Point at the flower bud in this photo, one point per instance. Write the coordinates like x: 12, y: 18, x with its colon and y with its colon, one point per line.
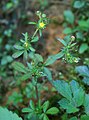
x: 72, y: 38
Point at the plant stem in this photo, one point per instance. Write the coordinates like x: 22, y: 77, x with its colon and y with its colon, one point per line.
x: 35, y: 33
x: 37, y: 94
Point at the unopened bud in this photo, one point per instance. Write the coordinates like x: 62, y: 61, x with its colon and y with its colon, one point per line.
x: 72, y: 38
x: 38, y: 13
x: 43, y: 15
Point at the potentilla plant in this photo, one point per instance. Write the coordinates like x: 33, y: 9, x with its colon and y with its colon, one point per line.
x: 34, y: 69
x: 37, y: 67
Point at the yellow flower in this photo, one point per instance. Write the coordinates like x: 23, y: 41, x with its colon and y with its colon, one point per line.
x: 26, y: 44
x: 41, y: 25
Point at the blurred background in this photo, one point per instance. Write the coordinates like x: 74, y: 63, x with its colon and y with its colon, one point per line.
x: 68, y: 17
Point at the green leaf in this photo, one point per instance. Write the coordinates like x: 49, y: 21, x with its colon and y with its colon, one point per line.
x: 73, y: 118
x: 33, y: 23
x: 25, y: 36
x: 40, y: 32
x: 73, y: 93
x: 25, y: 77
x: 32, y: 116
x: 83, y: 25
x: 69, y: 16
x: 52, y: 111
x: 83, y: 70
x: 29, y: 65
x: 86, y: 80
x: 45, y: 117
x: 65, y: 104
x: 83, y: 48
x: 27, y: 110
x: 60, y: 85
x: 45, y: 106
x: 5, y: 114
x: 67, y: 30
x: 17, y: 54
x: 84, y: 117
x: 25, y: 55
x: 62, y: 41
x: 35, y: 39
x: 20, y: 67
x: 79, y: 4
x: 38, y: 58
x: 48, y: 74
x: 78, y: 93
x: 6, y: 59
x: 32, y: 105
x: 51, y: 59
x: 32, y: 49
x: 86, y: 104
x: 79, y: 35
x: 15, y: 98
x: 18, y: 47
x: 9, y: 5
x: 65, y: 116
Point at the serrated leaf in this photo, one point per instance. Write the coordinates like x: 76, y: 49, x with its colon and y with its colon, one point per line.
x: 5, y: 114
x: 73, y: 93
x: 52, y: 111
x: 60, y: 85
x: 17, y: 54
x: 65, y: 104
x: 71, y: 109
x: 83, y: 70
x: 78, y: 93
